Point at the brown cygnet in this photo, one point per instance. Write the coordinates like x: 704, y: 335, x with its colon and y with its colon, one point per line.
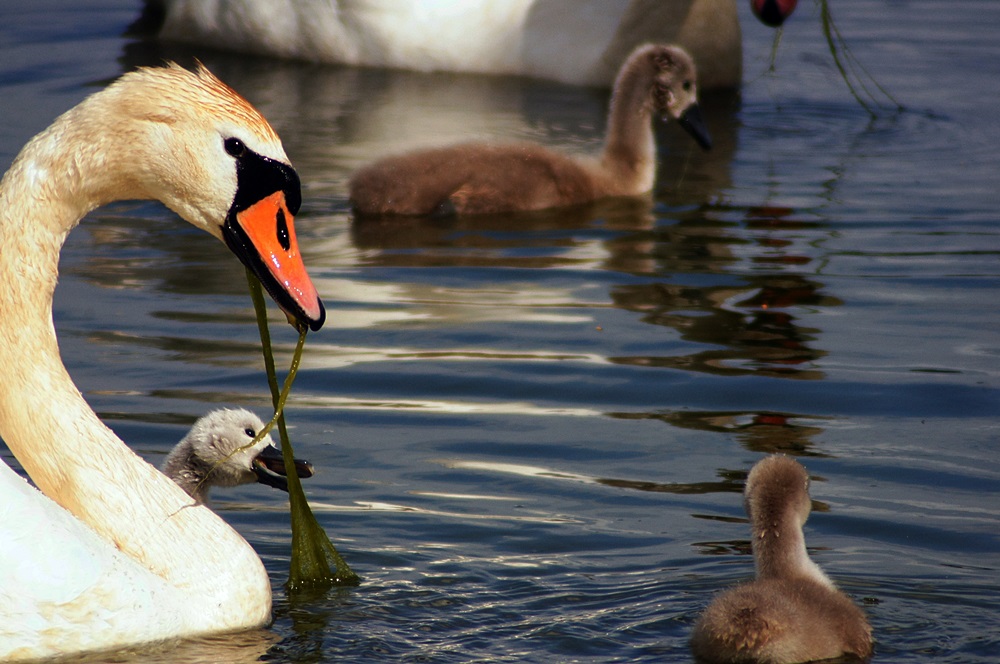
x: 480, y: 178
x: 792, y: 612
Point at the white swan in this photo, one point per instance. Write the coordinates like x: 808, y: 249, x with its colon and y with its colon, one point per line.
x: 581, y: 42
x: 792, y: 612
x: 115, y: 553
x: 217, y: 451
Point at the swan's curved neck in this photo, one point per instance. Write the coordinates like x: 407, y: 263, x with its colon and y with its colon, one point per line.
x: 630, y: 145
x: 55, y: 435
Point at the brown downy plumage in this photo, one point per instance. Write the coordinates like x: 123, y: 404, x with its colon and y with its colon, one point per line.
x: 792, y: 612
x: 479, y: 178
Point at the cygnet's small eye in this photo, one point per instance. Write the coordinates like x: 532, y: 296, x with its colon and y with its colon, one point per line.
x: 235, y: 147
x: 250, y: 432
x: 687, y: 86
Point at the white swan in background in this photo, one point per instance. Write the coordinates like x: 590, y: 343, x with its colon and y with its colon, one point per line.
x: 217, y: 451
x: 583, y: 42
x: 114, y: 553
x: 792, y: 612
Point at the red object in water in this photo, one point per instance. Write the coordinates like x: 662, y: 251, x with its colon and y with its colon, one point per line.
x: 773, y: 12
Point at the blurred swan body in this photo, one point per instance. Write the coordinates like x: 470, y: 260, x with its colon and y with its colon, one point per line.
x: 581, y: 42
x: 481, y: 178
x: 107, y: 551
x: 792, y: 612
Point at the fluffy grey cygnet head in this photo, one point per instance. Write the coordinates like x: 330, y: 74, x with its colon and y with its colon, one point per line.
x: 217, y: 452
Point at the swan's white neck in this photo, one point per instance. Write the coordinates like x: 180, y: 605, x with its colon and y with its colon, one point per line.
x: 58, y: 439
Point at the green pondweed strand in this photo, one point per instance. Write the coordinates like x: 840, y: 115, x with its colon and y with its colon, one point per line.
x: 850, y: 67
x: 859, y: 81
x: 316, y: 565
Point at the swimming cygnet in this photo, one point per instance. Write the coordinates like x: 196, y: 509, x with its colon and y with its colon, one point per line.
x: 207, y: 456
x: 476, y: 178
x: 792, y: 612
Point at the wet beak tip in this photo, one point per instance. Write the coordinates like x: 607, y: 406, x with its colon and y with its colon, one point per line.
x: 317, y: 317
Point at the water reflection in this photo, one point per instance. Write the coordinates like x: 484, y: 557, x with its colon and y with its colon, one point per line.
x: 238, y: 648
x: 749, y: 324
x: 131, y: 251
x: 732, y: 481
x: 310, y: 614
x: 765, y: 432
x: 756, y: 338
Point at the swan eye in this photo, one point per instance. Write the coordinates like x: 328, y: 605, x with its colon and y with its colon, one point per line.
x: 687, y: 86
x: 235, y: 147
x: 250, y: 432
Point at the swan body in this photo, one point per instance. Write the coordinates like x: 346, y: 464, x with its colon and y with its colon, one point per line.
x: 219, y: 451
x: 792, y: 612
x: 580, y: 42
x: 477, y: 178
x: 107, y: 551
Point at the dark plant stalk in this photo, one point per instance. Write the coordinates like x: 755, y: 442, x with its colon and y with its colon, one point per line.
x: 312, y: 550
x: 774, y: 49
x: 845, y: 61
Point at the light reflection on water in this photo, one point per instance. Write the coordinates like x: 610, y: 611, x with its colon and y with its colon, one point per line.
x: 531, y: 434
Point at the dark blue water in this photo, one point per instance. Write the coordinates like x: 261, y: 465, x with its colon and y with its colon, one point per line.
x: 531, y: 433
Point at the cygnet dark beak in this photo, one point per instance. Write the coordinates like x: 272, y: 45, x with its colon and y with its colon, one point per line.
x: 269, y: 467
x: 694, y: 125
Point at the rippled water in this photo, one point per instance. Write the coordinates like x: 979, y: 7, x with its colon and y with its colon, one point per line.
x: 531, y: 433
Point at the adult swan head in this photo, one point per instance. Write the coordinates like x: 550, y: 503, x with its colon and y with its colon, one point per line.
x: 117, y: 554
